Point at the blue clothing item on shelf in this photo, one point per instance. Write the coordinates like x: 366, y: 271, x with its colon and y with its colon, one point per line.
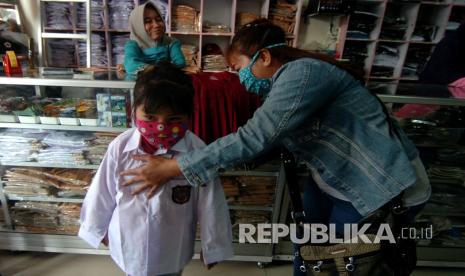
x: 328, y: 119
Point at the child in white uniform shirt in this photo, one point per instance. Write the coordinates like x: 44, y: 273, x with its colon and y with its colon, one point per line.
x: 156, y: 236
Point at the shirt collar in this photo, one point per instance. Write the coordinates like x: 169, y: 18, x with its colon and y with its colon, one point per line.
x: 134, y: 143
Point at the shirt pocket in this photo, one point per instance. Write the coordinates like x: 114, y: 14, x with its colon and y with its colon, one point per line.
x: 176, y: 197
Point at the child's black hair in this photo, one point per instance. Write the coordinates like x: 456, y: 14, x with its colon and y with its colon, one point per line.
x: 164, y: 86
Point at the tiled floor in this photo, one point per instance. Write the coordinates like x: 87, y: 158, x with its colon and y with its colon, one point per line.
x: 51, y: 264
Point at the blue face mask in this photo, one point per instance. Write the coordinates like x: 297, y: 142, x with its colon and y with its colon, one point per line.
x: 252, y: 83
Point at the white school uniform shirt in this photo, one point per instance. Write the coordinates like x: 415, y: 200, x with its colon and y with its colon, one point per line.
x: 154, y: 236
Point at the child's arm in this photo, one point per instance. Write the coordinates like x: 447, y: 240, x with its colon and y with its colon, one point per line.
x: 99, y: 202
x: 215, y: 224
x: 133, y: 57
x: 176, y: 55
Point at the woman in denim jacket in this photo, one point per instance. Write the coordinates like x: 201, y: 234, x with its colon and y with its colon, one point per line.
x: 359, y: 159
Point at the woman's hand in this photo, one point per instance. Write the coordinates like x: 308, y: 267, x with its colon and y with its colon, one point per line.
x: 156, y: 172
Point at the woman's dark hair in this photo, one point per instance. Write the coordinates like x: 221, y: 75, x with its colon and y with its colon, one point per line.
x: 261, y: 33
x: 164, y: 86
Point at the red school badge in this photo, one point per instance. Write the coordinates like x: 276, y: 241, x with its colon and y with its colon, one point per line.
x: 181, y: 194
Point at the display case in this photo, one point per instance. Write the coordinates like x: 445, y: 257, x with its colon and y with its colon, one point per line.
x: 435, y: 122
x: 54, y: 133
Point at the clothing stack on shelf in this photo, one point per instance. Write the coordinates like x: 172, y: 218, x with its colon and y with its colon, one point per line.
x: 98, y: 50
x: 283, y: 14
x: 96, y: 151
x: 394, y: 28
x: 361, y: 24
x: 221, y: 103
x: 356, y: 53
x: 385, y: 61
x: 62, y: 52
x: 213, y: 27
x: 243, y: 18
x: 190, y: 53
x: 185, y: 19
x: 119, y: 13
x: 417, y: 56
x: 231, y: 189
x: 249, y: 190
x: 20, y: 145
x: 213, y: 59
x: 424, y: 32
x: 96, y: 15
x: 58, y: 15
x: 257, y: 191
x: 117, y: 46
x: 248, y: 217
x: 47, y: 182
x: 42, y: 217
x: 66, y: 148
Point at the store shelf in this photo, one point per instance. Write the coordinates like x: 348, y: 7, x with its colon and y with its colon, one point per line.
x: 46, y: 165
x: 68, y: 82
x: 44, y: 198
x: 421, y: 100
x: 184, y: 33
x: 249, y: 173
x: 63, y: 127
x: 250, y: 208
x: 217, y: 34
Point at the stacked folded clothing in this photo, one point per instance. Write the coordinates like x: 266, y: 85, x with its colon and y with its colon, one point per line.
x: 61, y: 52
x: 424, y: 32
x: 60, y: 218
x: 259, y: 191
x: 117, y: 46
x: 283, y: 14
x: 248, y: 217
x: 249, y: 190
x: 212, y: 27
x: 47, y: 182
x: 361, y: 24
x: 96, y: 15
x: 190, y: 54
x: 212, y: 58
x: 394, y: 28
x: 97, y: 150
x: 119, y: 13
x: 98, y: 50
x: 58, y: 15
x: 417, y: 56
x: 20, y: 145
x: 438, y: 172
x: 357, y: 53
x: 185, y: 19
x: 386, y: 60
x: 68, y: 148
x: 231, y: 189
x: 243, y: 18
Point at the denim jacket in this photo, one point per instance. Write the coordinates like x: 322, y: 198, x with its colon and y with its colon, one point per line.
x: 327, y: 119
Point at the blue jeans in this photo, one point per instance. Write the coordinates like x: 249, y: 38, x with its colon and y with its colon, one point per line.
x: 322, y: 208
